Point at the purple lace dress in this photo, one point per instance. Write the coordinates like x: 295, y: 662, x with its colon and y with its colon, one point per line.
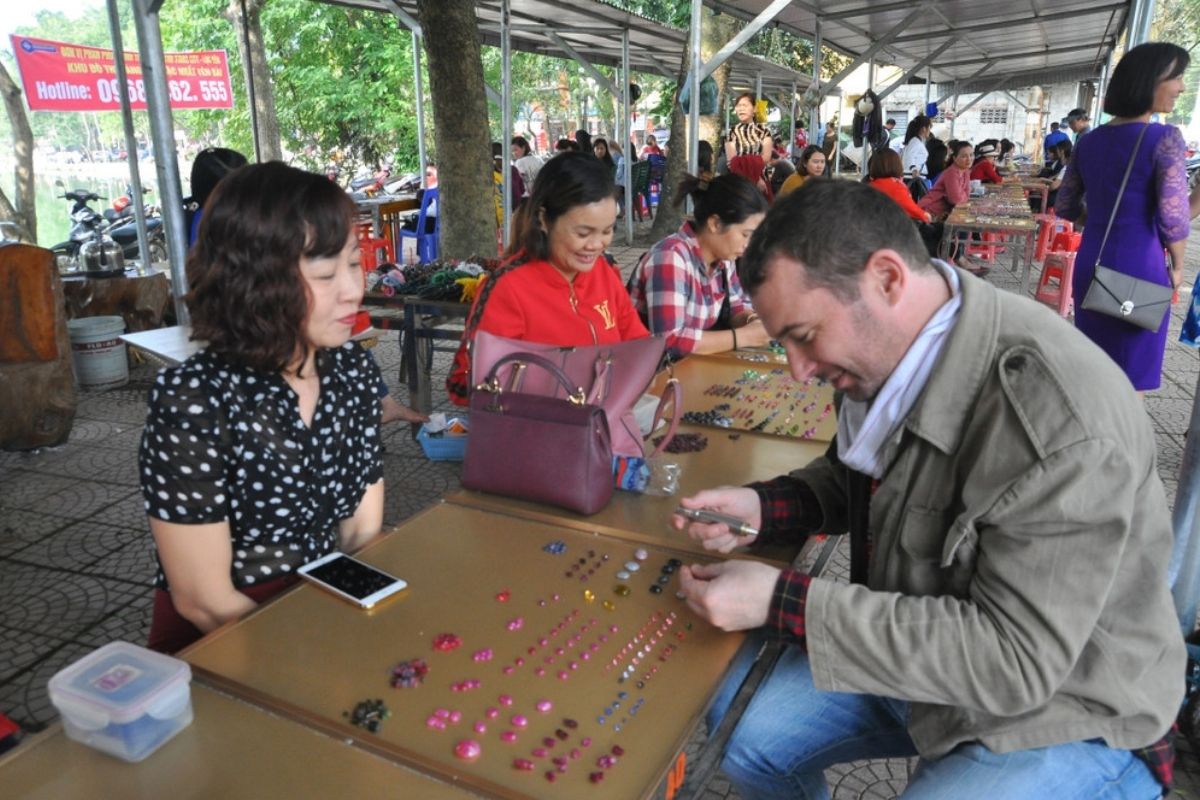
x: 1153, y: 213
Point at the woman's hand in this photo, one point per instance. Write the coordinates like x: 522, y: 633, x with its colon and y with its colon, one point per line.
x: 196, y: 560
x: 753, y: 334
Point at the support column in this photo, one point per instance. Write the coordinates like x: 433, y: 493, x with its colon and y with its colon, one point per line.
x: 814, y: 112
x: 506, y: 123
x: 693, y: 143
x: 419, y: 90
x: 794, y: 109
x: 162, y: 133
x: 627, y: 136
x: 135, y: 175
x: 866, y: 146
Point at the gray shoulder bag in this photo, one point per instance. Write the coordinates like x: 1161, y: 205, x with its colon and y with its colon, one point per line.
x: 1124, y: 297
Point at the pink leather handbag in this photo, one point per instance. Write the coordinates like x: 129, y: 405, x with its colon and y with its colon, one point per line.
x: 612, y: 376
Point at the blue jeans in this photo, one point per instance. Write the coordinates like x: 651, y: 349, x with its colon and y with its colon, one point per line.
x: 791, y: 732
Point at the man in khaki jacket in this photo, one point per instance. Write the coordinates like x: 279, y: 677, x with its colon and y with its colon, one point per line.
x: 1008, y: 617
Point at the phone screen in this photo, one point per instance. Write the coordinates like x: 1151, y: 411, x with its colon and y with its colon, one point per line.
x: 352, y: 577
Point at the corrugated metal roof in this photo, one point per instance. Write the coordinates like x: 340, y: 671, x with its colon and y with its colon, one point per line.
x: 594, y: 27
x: 1034, y: 39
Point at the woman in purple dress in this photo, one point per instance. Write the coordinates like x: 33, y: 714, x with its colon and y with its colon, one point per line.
x: 1153, y: 214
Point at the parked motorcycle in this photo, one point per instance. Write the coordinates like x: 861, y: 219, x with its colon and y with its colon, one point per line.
x: 95, y: 230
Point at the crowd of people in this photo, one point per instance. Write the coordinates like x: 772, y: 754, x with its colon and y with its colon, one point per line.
x: 1008, y: 618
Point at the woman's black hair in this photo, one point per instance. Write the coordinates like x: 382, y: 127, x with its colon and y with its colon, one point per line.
x: 936, y: 160
x: 915, y: 125
x: 607, y: 159
x: 1006, y: 147
x: 704, y: 157
x: 749, y: 95
x: 523, y: 143
x: 1131, y: 89
x: 584, y: 140
x: 212, y: 164
x: 568, y: 180
x: 1064, y: 148
x: 730, y: 198
x: 807, y: 154
x: 248, y: 299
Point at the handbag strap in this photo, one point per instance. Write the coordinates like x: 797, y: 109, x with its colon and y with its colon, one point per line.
x: 492, y: 384
x: 1120, y: 193
x: 672, y: 394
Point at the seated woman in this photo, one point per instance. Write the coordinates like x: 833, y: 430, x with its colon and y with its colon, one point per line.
x: 984, y: 168
x: 600, y: 150
x: 1052, y: 175
x: 812, y: 165
x: 262, y: 451
x: 558, y: 287
x: 952, y: 188
x: 886, y: 173
x: 686, y: 286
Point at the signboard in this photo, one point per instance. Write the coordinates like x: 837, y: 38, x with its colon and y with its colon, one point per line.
x: 58, y: 76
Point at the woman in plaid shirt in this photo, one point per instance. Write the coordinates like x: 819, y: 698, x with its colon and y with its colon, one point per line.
x: 686, y: 286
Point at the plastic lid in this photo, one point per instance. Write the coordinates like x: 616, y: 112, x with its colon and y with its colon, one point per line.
x: 119, y: 683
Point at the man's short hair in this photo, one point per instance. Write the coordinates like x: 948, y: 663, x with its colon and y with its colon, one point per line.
x: 1053, y: 126
x: 1076, y: 114
x: 831, y: 227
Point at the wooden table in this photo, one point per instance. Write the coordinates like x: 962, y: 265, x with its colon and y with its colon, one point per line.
x: 1004, y: 214
x: 309, y: 656
x: 386, y: 212
x: 172, y: 345
x: 231, y: 750
x: 142, y: 301
x: 731, y: 459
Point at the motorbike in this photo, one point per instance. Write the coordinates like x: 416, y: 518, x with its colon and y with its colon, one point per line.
x: 90, y: 227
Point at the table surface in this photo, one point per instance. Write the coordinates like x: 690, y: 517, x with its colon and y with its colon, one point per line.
x: 311, y: 656
x: 173, y: 345
x: 231, y: 750
x: 732, y: 458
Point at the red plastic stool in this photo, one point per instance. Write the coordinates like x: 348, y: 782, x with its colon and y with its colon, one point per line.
x: 1048, y: 227
x: 1066, y: 242
x: 1054, y: 286
x: 988, y: 248
x: 370, y: 245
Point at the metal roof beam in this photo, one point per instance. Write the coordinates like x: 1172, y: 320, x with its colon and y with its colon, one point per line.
x: 596, y: 74
x: 976, y: 27
x: 773, y: 10
x: 867, y: 10
x: 1049, y: 51
x: 1013, y: 97
x: 976, y: 74
x: 915, y: 69
x: 1001, y: 82
x: 406, y: 19
x: 876, y: 46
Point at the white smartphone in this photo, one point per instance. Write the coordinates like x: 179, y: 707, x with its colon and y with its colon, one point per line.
x: 351, y: 579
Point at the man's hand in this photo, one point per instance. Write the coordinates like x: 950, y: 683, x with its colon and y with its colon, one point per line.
x: 736, y: 501
x: 732, y: 595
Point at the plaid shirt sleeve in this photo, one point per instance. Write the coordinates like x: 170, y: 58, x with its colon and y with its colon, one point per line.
x: 665, y: 293
x: 785, y: 619
x: 1160, y: 759
x: 789, y: 510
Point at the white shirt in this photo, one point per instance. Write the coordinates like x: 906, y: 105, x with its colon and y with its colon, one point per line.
x: 914, y: 154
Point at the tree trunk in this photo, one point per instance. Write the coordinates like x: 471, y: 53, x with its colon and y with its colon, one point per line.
x: 24, y: 214
x: 258, y: 73
x: 466, y: 210
x: 718, y: 30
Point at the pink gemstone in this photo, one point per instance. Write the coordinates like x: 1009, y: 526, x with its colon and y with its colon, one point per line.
x: 563, y: 674
x: 613, y: 629
x: 520, y: 720
x: 556, y: 597
x: 548, y: 660
x: 436, y: 723
x: 456, y: 717
x: 586, y: 656
x: 573, y: 665
x: 523, y: 764
x: 559, y: 761
x: 468, y: 750
x: 515, y: 624
x: 551, y: 776
x: 480, y: 727
x: 575, y: 753
x: 538, y: 752
x: 441, y: 713
x: 549, y: 742
x: 508, y: 669
x: 540, y: 671
x: 492, y: 712
x: 508, y: 737
x: 558, y: 651
x: 519, y: 661
x: 543, y: 641
x: 586, y: 741
x: 506, y: 700
x: 544, y: 706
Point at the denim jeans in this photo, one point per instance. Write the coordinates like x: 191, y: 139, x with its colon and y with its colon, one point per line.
x: 791, y: 732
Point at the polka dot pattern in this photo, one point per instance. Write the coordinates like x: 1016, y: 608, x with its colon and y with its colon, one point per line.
x: 226, y: 443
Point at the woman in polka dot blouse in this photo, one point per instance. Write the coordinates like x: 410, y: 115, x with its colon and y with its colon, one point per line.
x: 262, y: 452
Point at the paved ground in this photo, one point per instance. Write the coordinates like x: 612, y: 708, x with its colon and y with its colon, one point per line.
x: 76, y: 559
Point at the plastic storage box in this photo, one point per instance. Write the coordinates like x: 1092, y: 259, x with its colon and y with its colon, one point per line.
x: 123, y: 699
x: 446, y: 446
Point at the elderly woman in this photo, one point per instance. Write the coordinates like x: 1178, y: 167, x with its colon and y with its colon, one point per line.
x: 686, y: 286
x: 261, y: 452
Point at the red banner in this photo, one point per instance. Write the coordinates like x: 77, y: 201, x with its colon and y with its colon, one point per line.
x: 65, y: 77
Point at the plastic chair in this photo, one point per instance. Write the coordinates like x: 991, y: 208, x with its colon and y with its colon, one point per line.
x: 369, y: 246
x: 1066, y: 242
x: 1048, y: 226
x: 1054, y: 285
x: 427, y: 243
x: 639, y: 176
x: 987, y: 247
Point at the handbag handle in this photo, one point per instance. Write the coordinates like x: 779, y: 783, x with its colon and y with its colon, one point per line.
x: 492, y: 383
x: 1120, y: 193
x: 672, y: 394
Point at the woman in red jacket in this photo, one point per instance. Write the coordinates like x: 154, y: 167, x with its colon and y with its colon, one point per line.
x: 985, y: 165
x: 886, y: 173
x: 558, y: 288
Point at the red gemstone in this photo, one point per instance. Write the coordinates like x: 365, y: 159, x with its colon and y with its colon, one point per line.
x: 523, y: 764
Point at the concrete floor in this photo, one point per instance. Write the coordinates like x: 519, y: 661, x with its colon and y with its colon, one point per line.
x: 76, y: 558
